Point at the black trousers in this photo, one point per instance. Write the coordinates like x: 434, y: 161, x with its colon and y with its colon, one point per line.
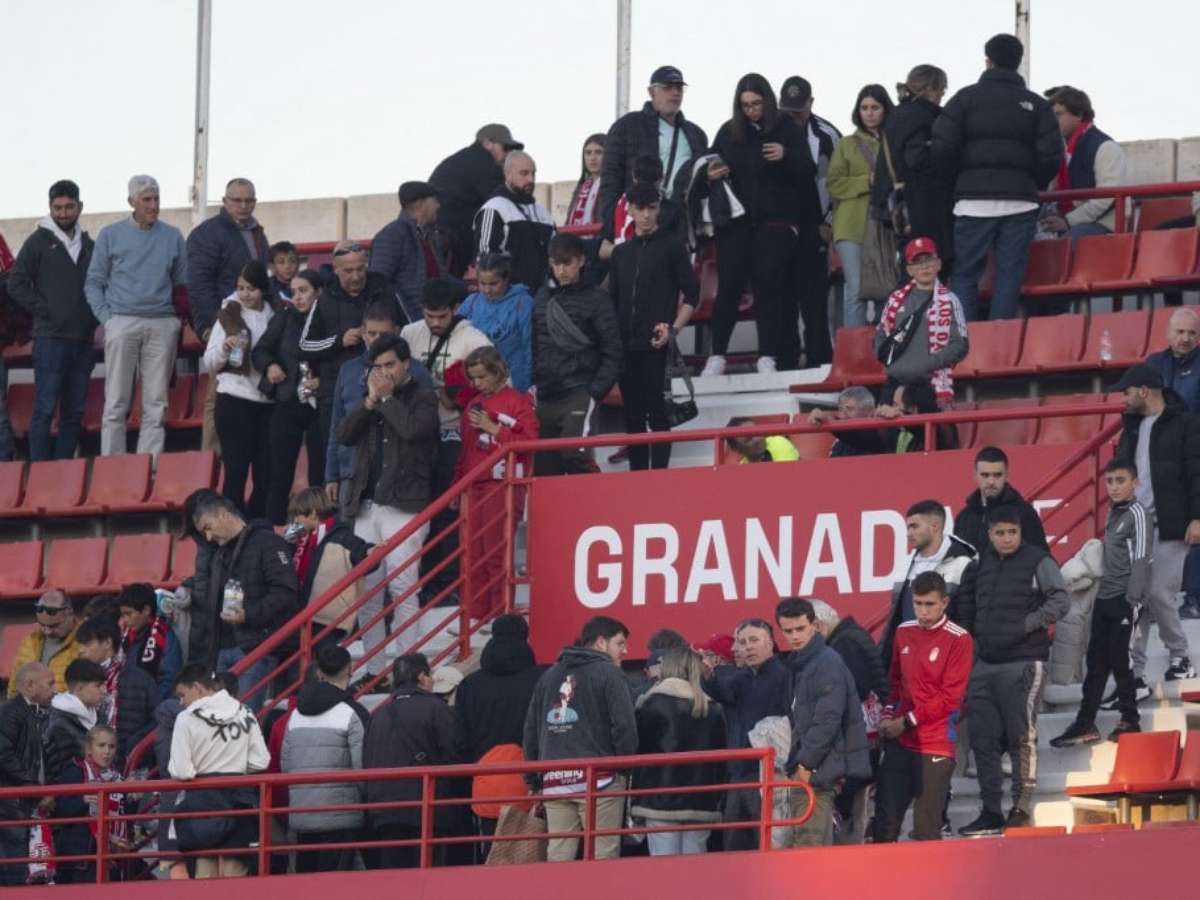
x: 292, y: 424
x: 566, y: 416
x: 764, y: 255
x: 1108, y: 653
x: 811, y: 299
x: 643, y: 380
x: 443, y: 477
x: 321, y: 860
x: 905, y: 777
x: 244, y: 429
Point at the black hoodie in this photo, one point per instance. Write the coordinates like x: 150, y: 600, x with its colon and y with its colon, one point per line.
x: 491, y: 703
x: 582, y: 707
x: 971, y: 524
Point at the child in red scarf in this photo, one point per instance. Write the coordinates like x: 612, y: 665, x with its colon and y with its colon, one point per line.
x: 97, y: 766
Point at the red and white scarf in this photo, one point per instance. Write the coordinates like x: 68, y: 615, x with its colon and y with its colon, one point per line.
x: 583, y: 204
x: 92, y: 774
x: 940, y: 316
x: 112, y: 676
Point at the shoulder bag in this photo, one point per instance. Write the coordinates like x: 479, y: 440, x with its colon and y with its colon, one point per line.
x: 679, y: 411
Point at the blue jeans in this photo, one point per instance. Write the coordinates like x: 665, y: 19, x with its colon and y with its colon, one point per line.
x: 8, y: 444
x: 1087, y: 229
x: 1191, y: 576
x: 61, y: 371
x: 973, y: 237
x: 854, y: 310
x: 227, y: 658
x: 14, y: 842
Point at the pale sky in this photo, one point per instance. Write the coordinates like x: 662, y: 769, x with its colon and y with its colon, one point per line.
x: 315, y: 99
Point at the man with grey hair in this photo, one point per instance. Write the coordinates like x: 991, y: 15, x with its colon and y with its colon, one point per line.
x: 513, y: 222
x: 855, y: 402
x: 218, y: 249
x: 21, y: 721
x: 136, y: 264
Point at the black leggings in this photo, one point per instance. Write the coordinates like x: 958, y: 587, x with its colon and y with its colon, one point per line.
x: 643, y: 380
x: 244, y: 428
x: 765, y: 256
x: 293, y: 423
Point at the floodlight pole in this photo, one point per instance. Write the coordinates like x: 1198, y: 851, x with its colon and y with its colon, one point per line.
x: 624, y: 44
x: 1022, y: 32
x: 203, y: 73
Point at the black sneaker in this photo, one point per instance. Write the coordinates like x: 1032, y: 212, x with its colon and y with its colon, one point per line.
x: 1076, y: 734
x: 1141, y: 691
x: 1124, y: 727
x: 1189, y: 610
x: 1018, y: 818
x: 1180, y: 667
x: 988, y: 823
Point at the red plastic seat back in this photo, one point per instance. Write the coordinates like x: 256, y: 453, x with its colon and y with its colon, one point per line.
x: 55, y: 484
x: 20, y: 568
x: 179, y: 400
x: 1005, y: 432
x: 93, y: 406
x: 139, y: 557
x: 1160, y: 321
x: 119, y: 482
x: 12, y: 483
x: 1069, y: 429
x: 183, y: 562
x: 1148, y: 756
x: 854, y: 359
x: 1053, y: 340
x: 181, y: 473
x: 10, y: 642
x: 1048, y: 263
x: 994, y: 347
x: 20, y: 408
x: 1189, y: 761
x: 1170, y: 252
x: 1153, y: 211
x: 814, y: 445
x: 1127, y: 333
x: 708, y: 290
x: 77, y: 565
x: 1102, y: 257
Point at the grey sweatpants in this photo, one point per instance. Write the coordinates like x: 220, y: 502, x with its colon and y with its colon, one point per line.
x: 1166, y: 580
x: 1002, y: 707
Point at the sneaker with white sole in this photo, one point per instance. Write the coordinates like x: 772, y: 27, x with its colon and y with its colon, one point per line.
x: 1180, y: 667
x: 765, y: 365
x: 1141, y: 691
x: 714, y: 366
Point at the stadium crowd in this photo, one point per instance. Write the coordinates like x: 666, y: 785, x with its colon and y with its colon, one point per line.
x: 398, y: 380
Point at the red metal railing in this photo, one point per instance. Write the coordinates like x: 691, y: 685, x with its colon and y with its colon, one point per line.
x: 1121, y: 194
x: 428, y: 805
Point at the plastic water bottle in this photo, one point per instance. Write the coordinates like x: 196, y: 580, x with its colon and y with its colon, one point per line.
x: 303, y: 394
x: 1106, y: 350
x: 237, y: 356
x: 234, y: 598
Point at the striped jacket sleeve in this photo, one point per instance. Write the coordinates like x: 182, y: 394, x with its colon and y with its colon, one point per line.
x: 1140, y: 556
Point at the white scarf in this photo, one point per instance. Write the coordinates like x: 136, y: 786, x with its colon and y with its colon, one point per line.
x: 73, y: 242
x: 72, y: 705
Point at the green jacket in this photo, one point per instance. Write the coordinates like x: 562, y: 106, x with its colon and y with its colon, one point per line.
x: 849, y: 182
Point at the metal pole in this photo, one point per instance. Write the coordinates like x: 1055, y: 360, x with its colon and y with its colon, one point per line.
x: 203, y: 73
x: 624, y: 43
x: 1022, y: 32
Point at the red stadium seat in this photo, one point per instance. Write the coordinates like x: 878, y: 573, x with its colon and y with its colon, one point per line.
x: 987, y: 278
x: 77, y: 565
x: 20, y: 408
x: 10, y: 641
x: 20, y: 569
x: 138, y: 557
x: 178, y: 475
x: 180, y: 398
x: 300, y: 475
x: 1142, y: 758
x: 994, y: 349
x: 854, y: 362
x: 1127, y: 333
x: 813, y: 445
x: 1100, y: 827
x: 119, y: 483
x: 1069, y: 429
x: 708, y: 291
x: 771, y: 419
x: 19, y: 356
x: 133, y: 420
x: 1159, y: 321
x: 55, y: 488
x: 1047, y: 267
x: 93, y: 406
x: 1181, y: 274
x: 1005, y: 432
x: 1160, y: 254
x: 1153, y: 211
x: 183, y: 562
x: 189, y: 342
x: 1102, y: 257
x: 1051, y: 342
x: 1036, y: 831
x: 194, y: 417
x: 12, y: 488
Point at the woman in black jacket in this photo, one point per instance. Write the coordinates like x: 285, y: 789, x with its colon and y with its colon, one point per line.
x: 277, y: 356
x: 676, y: 716
x: 766, y: 159
x: 929, y: 195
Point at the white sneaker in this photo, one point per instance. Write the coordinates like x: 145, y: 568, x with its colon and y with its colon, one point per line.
x: 766, y: 365
x: 714, y: 366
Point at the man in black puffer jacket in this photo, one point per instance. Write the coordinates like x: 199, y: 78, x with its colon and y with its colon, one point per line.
x: 993, y: 491
x: 1001, y: 143
x: 1163, y: 440
x: 491, y: 703
x: 642, y: 133
x: 1008, y: 599
x: 576, y: 355
x: 258, y: 558
x: 132, y: 691
x: 21, y: 722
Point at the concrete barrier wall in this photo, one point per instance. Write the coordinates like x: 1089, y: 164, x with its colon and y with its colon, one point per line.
x: 361, y: 216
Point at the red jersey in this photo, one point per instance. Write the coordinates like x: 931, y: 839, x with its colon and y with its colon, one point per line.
x: 513, y: 411
x: 928, y: 677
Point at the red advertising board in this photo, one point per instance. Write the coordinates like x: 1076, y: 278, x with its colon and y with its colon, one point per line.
x: 700, y: 549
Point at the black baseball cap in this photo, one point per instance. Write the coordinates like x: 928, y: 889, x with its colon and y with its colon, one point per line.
x: 1140, y: 375
x: 667, y: 75
x: 794, y: 93
x: 412, y: 191
x: 499, y: 134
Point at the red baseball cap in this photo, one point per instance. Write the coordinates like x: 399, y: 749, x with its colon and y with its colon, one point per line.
x: 720, y: 644
x: 921, y: 246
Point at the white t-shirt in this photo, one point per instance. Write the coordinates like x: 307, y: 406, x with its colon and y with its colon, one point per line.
x: 992, y: 209
x: 1141, y: 458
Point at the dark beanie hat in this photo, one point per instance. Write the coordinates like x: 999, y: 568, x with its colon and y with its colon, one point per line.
x: 510, y: 625
x: 256, y: 274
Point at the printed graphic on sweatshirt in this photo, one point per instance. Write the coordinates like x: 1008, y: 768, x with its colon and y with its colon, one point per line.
x: 562, y: 717
x: 231, y: 730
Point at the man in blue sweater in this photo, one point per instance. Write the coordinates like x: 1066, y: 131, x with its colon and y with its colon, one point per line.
x: 136, y: 264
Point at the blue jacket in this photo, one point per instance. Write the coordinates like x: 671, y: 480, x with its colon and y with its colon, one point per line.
x: 508, y: 323
x: 348, y: 392
x: 396, y: 254
x: 829, y: 737
x: 216, y: 253
x: 1181, y: 375
x: 747, y: 696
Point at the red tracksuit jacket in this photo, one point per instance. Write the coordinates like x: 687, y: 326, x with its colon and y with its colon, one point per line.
x: 929, y: 671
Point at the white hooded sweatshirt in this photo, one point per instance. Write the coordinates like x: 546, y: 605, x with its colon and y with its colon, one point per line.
x: 217, y: 735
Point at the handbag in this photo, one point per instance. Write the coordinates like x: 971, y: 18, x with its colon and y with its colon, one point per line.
x: 515, y: 821
x: 896, y: 204
x: 679, y: 411
x: 880, y: 268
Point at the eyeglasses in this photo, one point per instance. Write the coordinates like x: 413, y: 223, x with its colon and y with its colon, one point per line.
x: 923, y: 261
x: 43, y: 610
x: 353, y: 247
